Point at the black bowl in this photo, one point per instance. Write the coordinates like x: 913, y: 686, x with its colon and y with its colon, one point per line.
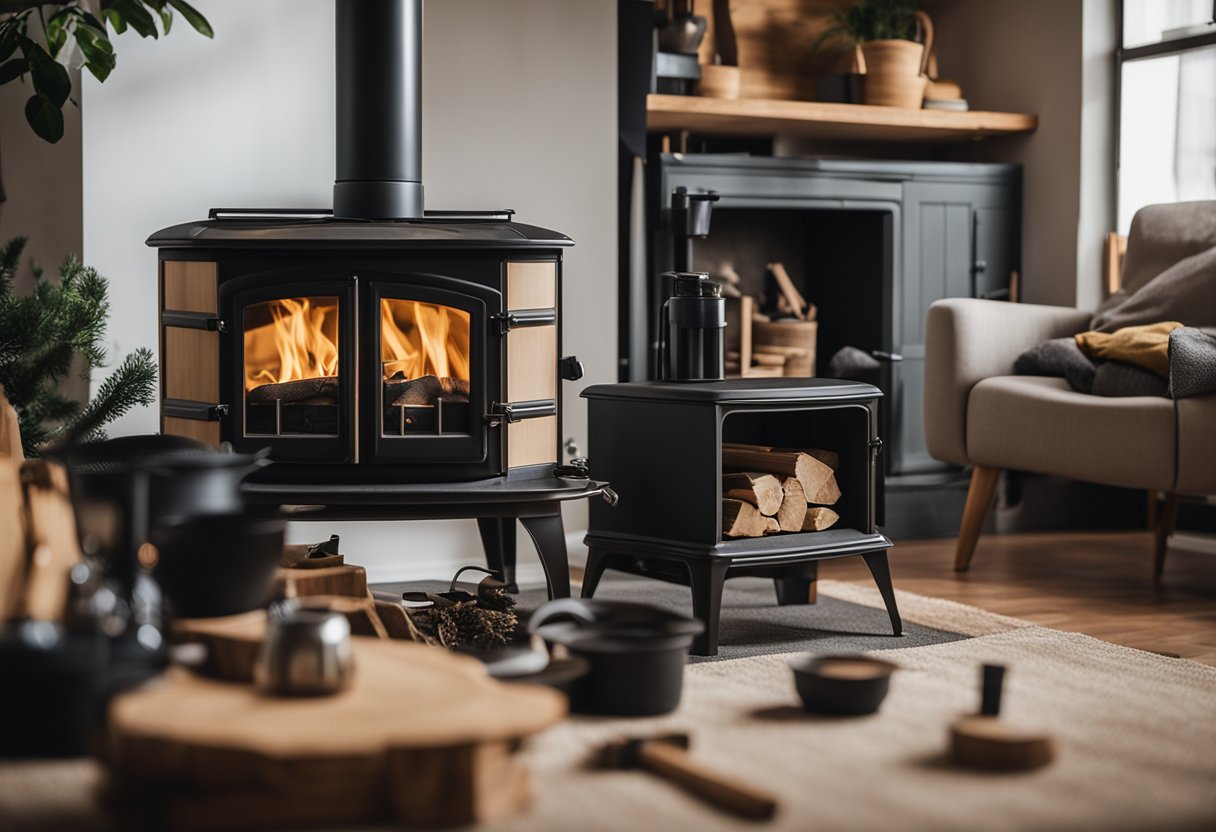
x: 220, y: 564
x: 842, y: 685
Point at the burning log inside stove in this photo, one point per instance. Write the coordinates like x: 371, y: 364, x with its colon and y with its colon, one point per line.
x: 771, y: 490
x: 428, y: 404
x: 399, y: 390
x: 311, y: 390
x: 307, y: 406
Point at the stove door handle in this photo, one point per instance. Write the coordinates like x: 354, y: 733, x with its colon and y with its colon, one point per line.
x: 515, y: 411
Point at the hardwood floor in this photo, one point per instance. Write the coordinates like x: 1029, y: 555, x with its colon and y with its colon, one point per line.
x: 1100, y: 584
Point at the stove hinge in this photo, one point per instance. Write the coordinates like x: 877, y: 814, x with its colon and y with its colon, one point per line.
x: 515, y: 411
x: 194, y: 320
x: 508, y: 321
x: 200, y: 411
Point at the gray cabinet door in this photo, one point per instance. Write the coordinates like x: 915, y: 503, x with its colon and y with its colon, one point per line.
x: 960, y: 240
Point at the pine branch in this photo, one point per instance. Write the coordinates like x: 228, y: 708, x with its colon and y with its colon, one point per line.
x: 10, y: 259
x: 132, y: 383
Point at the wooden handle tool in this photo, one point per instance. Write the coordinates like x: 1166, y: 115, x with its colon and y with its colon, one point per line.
x: 667, y: 756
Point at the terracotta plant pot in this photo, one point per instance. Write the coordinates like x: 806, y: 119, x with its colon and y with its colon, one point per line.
x: 893, y: 73
x: 718, y: 81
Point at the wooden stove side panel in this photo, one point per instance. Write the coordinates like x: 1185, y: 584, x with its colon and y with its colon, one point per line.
x: 189, y: 358
x: 532, y: 285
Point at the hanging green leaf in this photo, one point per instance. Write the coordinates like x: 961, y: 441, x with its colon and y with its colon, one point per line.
x: 97, y: 50
x: 117, y: 22
x: 193, y: 17
x: 45, y: 117
x: 137, y: 17
x: 51, y: 78
x: 13, y: 69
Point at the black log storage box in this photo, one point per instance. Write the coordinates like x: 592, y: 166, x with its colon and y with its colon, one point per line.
x: 660, y: 444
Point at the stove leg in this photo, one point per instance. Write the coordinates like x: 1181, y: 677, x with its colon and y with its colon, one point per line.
x: 707, y: 580
x: 550, y: 538
x: 498, y: 539
x: 597, y: 562
x: 877, y: 561
x: 798, y: 587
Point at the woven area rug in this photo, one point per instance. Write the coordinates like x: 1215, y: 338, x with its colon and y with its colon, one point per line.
x: 751, y: 623
x: 1136, y: 734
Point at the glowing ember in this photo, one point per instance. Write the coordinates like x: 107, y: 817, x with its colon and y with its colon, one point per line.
x: 419, y: 339
x: 300, y: 341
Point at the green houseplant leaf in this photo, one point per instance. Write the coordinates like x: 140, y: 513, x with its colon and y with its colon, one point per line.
x: 193, y: 17
x: 45, y: 117
x: 13, y: 69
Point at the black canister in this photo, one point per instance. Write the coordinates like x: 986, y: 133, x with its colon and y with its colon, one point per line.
x: 694, y: 323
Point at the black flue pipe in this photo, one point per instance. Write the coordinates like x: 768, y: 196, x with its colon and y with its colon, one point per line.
x: 379, y: 86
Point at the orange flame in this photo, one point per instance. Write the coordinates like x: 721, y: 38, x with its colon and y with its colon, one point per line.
x: 419, y: 339
x: 301, y: 341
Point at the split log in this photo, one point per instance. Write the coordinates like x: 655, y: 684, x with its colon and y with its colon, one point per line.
x: 51, y: 537
x: 316, y: 390
x: 818, y: 481
x: 12, y: 539
x: 793, y: 506
x: 771, y: 526
x: 793, y: 298
x: 761, y: 490
x: 828, y: 458
x: 740, y: 519
x: 768, y: 359
x: 819, y: 518
x: 424, y: 390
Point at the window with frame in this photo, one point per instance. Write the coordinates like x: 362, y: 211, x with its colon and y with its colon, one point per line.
x: 1166, y: 76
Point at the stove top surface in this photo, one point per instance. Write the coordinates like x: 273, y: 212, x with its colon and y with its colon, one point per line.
x: 303, y: 228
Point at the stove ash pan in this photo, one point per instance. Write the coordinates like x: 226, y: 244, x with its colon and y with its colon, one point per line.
x: 366, y: 353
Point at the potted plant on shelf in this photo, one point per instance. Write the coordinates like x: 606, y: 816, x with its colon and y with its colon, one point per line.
x: 892, y: 61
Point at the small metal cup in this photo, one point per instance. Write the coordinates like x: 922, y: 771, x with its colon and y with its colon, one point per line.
x: 307, y: 652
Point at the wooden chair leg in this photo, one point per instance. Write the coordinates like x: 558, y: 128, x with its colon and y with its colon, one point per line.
x: 1167, y: 518
x: 979, y: 498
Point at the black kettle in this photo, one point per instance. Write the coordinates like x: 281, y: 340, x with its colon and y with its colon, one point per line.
x: 692, y: 347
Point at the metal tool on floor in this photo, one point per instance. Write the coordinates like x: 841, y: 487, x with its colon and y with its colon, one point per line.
x: 666, y: 755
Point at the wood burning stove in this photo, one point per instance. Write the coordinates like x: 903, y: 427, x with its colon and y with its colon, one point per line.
x: 396, y: 362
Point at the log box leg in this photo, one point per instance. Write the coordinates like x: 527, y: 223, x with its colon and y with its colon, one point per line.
x: 707, y: 580
x: 798, y: 587
x: 979, y: 498
x: 498, y: 539
x: 597, y: 562
x: 549, y: 536
x: 881, y: 570
x: 1167, y: 518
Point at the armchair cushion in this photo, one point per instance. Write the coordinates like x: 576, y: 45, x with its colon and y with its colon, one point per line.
x: 1184, y: 291
x: 968, y: 340
x: 1196, y: 445
x: 1039, y: 424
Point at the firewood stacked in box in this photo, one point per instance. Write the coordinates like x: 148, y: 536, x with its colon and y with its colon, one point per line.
x: 773, y: 490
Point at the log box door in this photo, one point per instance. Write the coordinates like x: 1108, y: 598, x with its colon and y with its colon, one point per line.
x: 427, y: 369
x: 291, y: 351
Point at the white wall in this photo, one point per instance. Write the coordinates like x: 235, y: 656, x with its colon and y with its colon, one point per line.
x: 519, y: 111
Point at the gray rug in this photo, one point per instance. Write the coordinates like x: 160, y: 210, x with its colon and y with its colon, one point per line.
x: 752, y: 624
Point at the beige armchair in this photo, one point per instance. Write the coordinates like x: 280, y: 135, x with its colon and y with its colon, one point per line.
x: 977, y: 413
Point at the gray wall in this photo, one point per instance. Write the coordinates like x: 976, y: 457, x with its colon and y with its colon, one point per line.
x: 1051, y: 58
x: 519, y: 111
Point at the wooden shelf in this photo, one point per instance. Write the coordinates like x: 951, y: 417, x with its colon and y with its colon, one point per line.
x: 813, y: 119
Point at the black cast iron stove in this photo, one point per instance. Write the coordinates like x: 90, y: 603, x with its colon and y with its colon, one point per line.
x: 396, y: 362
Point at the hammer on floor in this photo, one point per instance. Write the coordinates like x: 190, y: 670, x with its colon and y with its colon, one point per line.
x: 666, y: 755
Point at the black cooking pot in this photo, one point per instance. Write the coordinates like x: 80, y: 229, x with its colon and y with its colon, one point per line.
x: 122, y: 488
x: 636, y: 653
x: 217, y: 564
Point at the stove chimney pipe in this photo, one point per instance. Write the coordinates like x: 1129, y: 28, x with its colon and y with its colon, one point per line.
x: 379, y: 86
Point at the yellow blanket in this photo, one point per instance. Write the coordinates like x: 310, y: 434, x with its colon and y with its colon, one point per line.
x: 1145, y: 346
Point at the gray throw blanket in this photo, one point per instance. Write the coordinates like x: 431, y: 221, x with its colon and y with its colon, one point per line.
x: 1192, y: 368
x: 1192, y: 362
